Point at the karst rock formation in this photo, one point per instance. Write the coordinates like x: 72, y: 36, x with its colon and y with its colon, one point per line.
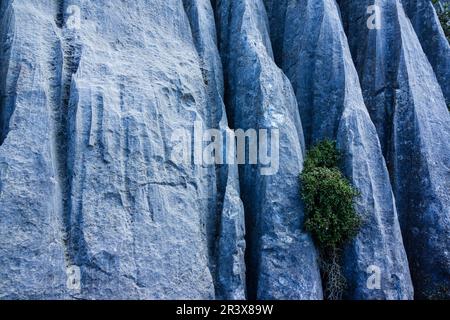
x: 94, y: 96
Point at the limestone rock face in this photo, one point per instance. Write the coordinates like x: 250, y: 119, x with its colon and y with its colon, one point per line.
x: 316, y: 58
x: 434, y: 43
x: 107, y: 188
x: 281, y: 256
x: 32, y: 242
x: 137, y: 216
x: 87, y: 178
x: 407, y: 105
x: 227, y: 222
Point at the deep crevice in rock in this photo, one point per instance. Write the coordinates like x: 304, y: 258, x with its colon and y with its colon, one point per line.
x: 67, y: 59
x: 7, y: 90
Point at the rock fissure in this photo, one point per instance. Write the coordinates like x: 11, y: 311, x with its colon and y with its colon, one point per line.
x: 94, y: 95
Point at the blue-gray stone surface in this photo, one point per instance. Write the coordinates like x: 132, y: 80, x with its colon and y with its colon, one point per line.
x: 434, y: 43
x: 316, y: 58
x: 281, y: 255
x: 32, y: 249
x: 227, y: 222
x: 137, y: 218
x: 408, y: 108
x: 96, y: 201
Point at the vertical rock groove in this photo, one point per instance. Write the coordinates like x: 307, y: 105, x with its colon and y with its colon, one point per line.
x: 103, y: 165
x: 30, y: 200
x: 432, y: 38
x: 316, y: 58
x: 280, y: 256
x: 8, y: 88
x: 65, y: 64
x: 227, y: 225
x: 131, y: 204
x: 396, y: 75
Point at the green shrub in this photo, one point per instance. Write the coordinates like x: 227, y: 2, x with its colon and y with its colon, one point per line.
x: 328, y: 197
x: 324, y: 155
x: 330, y: 214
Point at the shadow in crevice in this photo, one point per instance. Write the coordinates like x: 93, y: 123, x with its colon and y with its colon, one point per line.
x: 8, y: 76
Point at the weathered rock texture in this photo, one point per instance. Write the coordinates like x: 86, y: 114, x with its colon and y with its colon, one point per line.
x: 138, y: 80
x: 33, y: 255
x: 434, y: 43
x: 316, y: 58
x: 281, y: 255
x: 228, y: 220
x: 94, y: 96
x: 408, y: 108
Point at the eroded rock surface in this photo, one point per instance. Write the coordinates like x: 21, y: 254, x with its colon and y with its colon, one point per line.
x: 434, y: 43
x: 32, y: 238
x: 98, y: 202
x: 408, y: 108
x: 227, y: 222
x: 316, y: 58
x: 281, y: 256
